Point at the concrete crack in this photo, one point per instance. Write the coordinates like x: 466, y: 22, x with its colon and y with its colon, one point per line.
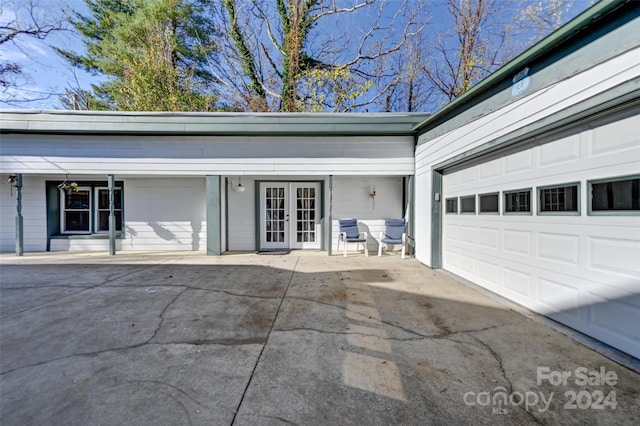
x: 80, y: 291
x: 275, y: 318
x: 162, y: 315
x: 498, y: 358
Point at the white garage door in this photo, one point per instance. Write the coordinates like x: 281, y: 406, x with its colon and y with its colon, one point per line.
x: 556, y: 228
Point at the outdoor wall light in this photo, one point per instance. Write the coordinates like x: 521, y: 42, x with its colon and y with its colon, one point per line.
x: 239, y: 187
x: 373, y: 193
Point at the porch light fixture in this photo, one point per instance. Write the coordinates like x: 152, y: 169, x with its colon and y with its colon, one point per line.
x: 239, y: 188
x: 372, y: 195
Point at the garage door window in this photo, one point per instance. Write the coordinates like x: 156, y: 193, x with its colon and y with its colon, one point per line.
x: 559, y: 199
x: 452, y: 205
x: 517, y: 202
x: 616, y: 196
x: 468, y: 204
x: 489, y: 203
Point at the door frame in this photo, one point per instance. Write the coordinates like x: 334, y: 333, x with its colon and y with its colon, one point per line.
x: 258, y: 224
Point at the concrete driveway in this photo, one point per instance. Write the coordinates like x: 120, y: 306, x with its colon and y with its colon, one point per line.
x: 186, y: 339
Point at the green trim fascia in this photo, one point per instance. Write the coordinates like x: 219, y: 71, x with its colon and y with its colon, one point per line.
x: 241, y: 124
x: 214, y: 215
x: 623, y: 96
x: 544, y: 47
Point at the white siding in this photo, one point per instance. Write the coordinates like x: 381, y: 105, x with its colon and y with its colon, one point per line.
x: 242, y: 214
x: 33, y: 213
x: 351, y: 200
x: 581, y: 270
x: 165, y: 214
x: 199, y: 156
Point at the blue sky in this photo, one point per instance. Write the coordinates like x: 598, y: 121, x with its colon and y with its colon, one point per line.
x: 47, y: 75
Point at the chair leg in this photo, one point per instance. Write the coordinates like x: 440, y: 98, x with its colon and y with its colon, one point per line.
x: 380, y: 249
x: 366, y: 249
x: 344, y: 248
x: 404, y: 245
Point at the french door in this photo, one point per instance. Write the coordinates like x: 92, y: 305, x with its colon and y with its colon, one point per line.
x: 290, y: 215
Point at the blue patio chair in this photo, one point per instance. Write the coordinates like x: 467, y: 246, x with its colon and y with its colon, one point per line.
x: 349, y: 233
x: 393, y: 234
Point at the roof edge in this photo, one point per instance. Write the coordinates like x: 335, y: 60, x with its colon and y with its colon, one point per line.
x: 574, y: 26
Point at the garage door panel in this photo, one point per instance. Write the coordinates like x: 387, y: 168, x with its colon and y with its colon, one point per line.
x: 518, y: 283
x: 564, y: 151
x: 559, y: 299
x: 616, y: 255
x: 562, y: 248
x: 615, y: 319
x: 488, y: 237
x: 517, y: 242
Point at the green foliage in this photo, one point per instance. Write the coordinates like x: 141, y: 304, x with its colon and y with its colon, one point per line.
x: 154, y: 54
x: 334, y: 90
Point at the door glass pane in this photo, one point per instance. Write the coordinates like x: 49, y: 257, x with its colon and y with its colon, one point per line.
x: 305, y: 214
x: 275, y: 213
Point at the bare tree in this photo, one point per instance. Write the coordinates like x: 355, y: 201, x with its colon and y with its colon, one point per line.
x: 24, y: 19
x: 277, y: 49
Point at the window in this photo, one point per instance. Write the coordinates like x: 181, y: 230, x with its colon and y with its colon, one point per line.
x: 616, y: 195
x: 489, y: 203
x: 102, y: 209
x: 558, y: 199
x: 468, y: 204
x: 86, y: 211
x: 76, y: 211
x: 452, y: 205
x: 517, y: 201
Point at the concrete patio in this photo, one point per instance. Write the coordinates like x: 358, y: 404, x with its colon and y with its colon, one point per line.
x: 187, y: 339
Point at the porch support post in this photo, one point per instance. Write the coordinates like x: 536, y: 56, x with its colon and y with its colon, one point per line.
x: 411, y: 209
x: 112, y: 215
x: 214, y: 215
x: 329, y: 238
x: 436, y: 219
x: 19, y: 221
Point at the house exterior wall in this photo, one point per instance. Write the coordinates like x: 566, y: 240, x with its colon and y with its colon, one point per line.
x: 33, y: 213
x: 350, y: 199
x: 205, y: 155
x: 159, y: 214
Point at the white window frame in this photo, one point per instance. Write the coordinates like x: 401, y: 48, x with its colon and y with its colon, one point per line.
x: 63, y: 210
x: 495, y: 212
x: 446, y: 205
x: 521, y: 213
x: 97, y: 210
x: 475, y: 204
x: 575, y: 212
x: 592, y: 212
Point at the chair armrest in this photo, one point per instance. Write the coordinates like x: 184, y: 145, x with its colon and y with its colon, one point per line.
x: 365, y: 234
x: 343, y: 236
x: 381, y: 235
x: 404, y: 237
